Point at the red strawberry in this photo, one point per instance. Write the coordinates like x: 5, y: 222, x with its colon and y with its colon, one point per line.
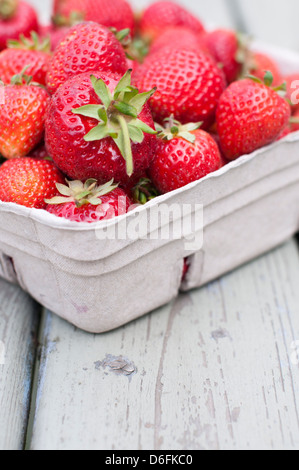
x: 185, y: 154
x: 88, y: 47
x: 16, y: 18
x: 258, y: 64
x: 88, y: 202
x: 250, y: 115
x: 22, y: 117
x: 100, y: 128
x: 292, y: 82
x: 28, y: 181
x: 117, y: 13
x: 178, y: 37
x: 164, y: 14
x: 189, y: 85
x: 54, y: 33
x: 224, y: 46
x: 22, y: 53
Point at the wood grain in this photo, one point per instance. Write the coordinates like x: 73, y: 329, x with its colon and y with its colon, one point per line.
x: 216, y: 369
x: 18, y: 325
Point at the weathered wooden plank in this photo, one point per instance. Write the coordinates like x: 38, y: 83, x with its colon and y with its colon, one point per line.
x: 216, y: 369
x: 18, y: 326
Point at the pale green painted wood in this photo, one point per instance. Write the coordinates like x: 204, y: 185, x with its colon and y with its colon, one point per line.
x: 18, y: 328
x: 216, y: 369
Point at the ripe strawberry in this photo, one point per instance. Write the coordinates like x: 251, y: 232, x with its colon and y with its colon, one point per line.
x: 161, y: 15
x: 185, y: 154
x: 88, y: 202
x: 117, y: 13
x: 16, y: 18
x: 249, y: 116
x: 19, y: 54
x: 292, y: 82
x: 100, y: 127
x: 28, y: 181
x: 224, y: 46
x: 258, y: 64
x: 88, y: 47
x: 22, y: 117
x: 189, y: 85
x: 178, y: 37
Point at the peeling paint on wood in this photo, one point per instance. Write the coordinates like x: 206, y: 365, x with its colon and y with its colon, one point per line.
x: 215, y: 371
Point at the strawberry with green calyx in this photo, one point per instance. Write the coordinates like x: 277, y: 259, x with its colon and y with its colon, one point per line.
x: 185, y: 154
x: 16, y: 17
x: 28, y: 181
x: 22, y: 116
x: 118, y: 116
x: 99, y: 126
x: 250, y: 115
x: 88, y: 202
x: 22, y: 52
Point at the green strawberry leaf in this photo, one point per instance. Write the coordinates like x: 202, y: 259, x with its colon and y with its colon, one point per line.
x: 97, y: 133
x: 101, y: 90
x: 140, y: 99
x: 144, y: 127
x: 124, y: 83
x: 90, y: 110
x: 136, y: 134
x: 126, y: 109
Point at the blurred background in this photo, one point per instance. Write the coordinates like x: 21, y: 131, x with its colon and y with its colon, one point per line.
x: 272, y: 21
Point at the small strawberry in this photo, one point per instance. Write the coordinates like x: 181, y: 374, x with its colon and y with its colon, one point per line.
x: 177, y: 37
x: 116, y: 14
x: 185, y: 154
x: 161, y: 15
x: 87, y: 202
x: 224, y: 46
x: 292, y: 82
x: 16, y: 17
x: 99, y: 126
x: 189, y: 85
x: 28, y: 181
x: 88, y: 47
x: 25, y: 52
x: 22, y: 117
x: 249, y: 116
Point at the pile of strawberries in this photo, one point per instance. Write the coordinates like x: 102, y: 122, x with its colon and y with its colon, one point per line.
x: 104, y: 109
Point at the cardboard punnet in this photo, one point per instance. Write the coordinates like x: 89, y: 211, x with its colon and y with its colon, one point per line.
x: 103, y: 275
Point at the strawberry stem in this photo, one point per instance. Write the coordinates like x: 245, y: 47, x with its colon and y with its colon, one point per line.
x: 127, y: 149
